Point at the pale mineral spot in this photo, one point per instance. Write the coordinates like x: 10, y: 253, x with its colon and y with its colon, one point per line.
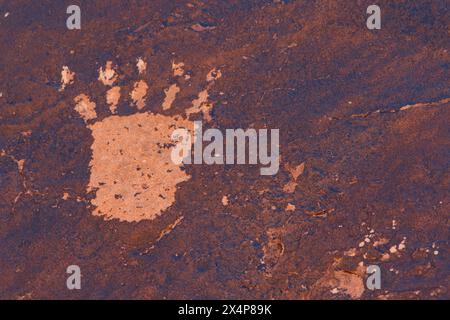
x: 402, y: 245
x: 380, y: 242
x: 139, y: 93
x: 112, y: 98
x: 20, y: 165
x: 67, y: 77
x: 107, y: 76
x: 131, y: 169
x: 225, y: 201
x: 171, y: 94
x: 85, y: 107
x: 334, y: 291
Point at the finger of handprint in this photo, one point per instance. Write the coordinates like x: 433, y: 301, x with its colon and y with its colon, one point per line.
x: 213, y: 75
x: 67, y: 77
x: 202, y: 104
x: 108, y: 75
x: 85, y: 107
x: 172, y: 91
x: 139, y: 93
x: 141, y: 65
x: 178, y: 70
x: 171, y: 94
x: 198, y: 103
x: 112, y: 98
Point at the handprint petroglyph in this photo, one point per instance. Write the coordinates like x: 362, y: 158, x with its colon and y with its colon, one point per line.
x: 131, y: 171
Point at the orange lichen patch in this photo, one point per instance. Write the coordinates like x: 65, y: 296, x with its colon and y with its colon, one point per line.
x: 170, y: 93
x: 138, y: 94
x: 295, y: 173
x: 290, y: 207
x: 112, y: 98
x: 177, y: 69
x: 214, y: 74
x: 67, y: 77
x: 107, y: 76
x: 202, y: 105
x: 141, y: 65
x: 85, y: 107
x: 131, y: 167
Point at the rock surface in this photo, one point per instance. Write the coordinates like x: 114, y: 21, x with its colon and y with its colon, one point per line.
x: 364, y: 138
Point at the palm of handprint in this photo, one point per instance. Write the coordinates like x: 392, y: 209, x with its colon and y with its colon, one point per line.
x: 132, y: 174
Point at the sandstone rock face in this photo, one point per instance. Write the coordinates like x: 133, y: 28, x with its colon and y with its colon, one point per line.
x: 85, y: 171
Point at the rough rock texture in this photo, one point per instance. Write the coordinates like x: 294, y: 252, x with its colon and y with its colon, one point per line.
x: 364, y: 137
